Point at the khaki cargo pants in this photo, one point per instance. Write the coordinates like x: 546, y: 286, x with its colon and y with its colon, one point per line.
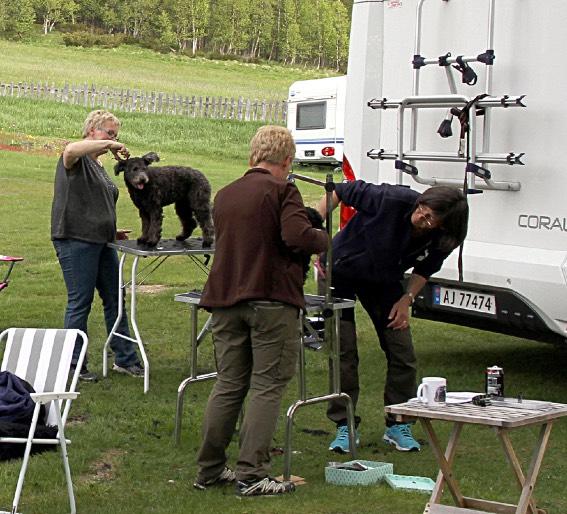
x: 256, y: 348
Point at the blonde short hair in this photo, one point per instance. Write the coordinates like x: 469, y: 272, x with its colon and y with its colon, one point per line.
x: 271, y: 143
x: 96, y: 119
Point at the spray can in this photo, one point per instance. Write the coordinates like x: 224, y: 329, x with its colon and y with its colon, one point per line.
x: 495, y: 381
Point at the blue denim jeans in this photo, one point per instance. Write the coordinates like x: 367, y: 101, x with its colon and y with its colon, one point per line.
x: 86, y: 267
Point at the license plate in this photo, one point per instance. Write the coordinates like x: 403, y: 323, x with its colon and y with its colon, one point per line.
x: 464, y: 300
x: 309, y: 153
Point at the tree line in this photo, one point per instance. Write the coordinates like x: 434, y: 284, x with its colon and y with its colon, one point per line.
x: 311, y: 32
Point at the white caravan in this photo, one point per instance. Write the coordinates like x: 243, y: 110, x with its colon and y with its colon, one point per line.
x: 315, y: 117
x: 416, y: 64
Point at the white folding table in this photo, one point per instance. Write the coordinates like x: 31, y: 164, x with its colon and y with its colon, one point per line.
x: 192, y: 248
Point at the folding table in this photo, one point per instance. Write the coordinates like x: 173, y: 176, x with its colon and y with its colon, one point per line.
x: 166, y: 248
x: 503, y: 416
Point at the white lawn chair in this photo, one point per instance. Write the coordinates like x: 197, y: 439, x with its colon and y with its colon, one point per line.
x: 42, y: 357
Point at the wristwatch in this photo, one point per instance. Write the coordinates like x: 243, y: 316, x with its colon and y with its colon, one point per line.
x: 411, y: 297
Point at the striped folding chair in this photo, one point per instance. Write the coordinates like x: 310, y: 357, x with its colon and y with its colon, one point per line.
x: 42, y: 357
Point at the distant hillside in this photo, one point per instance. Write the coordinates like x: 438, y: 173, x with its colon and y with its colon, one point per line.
x: 130, y: 66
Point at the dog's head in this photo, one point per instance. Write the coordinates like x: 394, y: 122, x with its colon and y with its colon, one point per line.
x: 135, y: 169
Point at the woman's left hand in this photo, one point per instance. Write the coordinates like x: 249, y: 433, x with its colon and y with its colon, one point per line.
x: 122, y: 234
x: 119, y: 151
x: 400, y: 314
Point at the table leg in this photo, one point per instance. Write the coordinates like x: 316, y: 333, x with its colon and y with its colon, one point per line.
x: 119, y: 314
x: 335, y: 394
x: 514, y: 463
x: 449, y: 456
x: 194, y: 341
x: 445, y: 464
x: 206, y: 328
x: 535, y: 465
x: 134, y: 323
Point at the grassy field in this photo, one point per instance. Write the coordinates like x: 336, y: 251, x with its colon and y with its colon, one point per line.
x: 132, y: 67
x: 123, y: 457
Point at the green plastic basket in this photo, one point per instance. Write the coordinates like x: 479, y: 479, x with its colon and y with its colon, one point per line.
x: 410, y: 483
x: 376, y: 471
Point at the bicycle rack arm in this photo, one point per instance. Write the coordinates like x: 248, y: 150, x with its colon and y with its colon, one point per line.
x: 447, y: 101
x: 487, y: 58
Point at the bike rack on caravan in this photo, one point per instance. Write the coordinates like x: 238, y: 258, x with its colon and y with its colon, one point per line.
x: 466, y: 108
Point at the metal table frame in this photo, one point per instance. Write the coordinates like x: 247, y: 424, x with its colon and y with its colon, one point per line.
x: 318, y: 304
x: 314, y: 304
x: 192, y: 299
x: 502, y: 416
x: 166, y: 248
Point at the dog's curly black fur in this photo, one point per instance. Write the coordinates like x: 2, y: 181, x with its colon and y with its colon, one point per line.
x: 152, y: 188
x: 316, y: 222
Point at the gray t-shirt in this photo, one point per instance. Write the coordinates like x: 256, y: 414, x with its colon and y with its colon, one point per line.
x: 84, y: 203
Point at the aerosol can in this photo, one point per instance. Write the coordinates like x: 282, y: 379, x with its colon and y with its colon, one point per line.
x: 495, y: 381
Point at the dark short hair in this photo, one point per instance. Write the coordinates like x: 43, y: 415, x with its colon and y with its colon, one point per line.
x: 450, y: 206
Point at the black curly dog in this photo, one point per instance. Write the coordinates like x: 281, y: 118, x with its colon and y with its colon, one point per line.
x: 316, y: 222
x: 153, y: 188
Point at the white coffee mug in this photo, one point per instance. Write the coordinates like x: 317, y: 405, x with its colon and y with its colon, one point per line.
x: 432, y: 391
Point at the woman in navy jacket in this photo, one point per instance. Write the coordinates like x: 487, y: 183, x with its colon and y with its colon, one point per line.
x: 393, y: 230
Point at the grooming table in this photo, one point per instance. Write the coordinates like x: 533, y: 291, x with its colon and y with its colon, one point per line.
x: 503, y: 416
x: 166, y: 248
x: 314, y: 304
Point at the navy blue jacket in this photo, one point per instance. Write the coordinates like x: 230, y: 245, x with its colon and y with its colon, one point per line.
x: 376, y: 244
x: 16, y: 405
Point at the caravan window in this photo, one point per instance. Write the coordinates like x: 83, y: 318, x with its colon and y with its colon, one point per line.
x: 311, y: 116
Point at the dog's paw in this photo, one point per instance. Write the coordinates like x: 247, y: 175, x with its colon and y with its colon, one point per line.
x: 148, y: 243
x: 181, y: 237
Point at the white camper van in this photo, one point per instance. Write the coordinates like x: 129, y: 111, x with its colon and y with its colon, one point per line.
x: 315, y: 117
x: 415, y: 67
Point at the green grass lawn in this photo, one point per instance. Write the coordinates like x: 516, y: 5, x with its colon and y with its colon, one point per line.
x: 133, y: 67
x: 123, y: 458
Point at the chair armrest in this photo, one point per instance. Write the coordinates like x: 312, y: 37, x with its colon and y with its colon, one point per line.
x: 49, y: 397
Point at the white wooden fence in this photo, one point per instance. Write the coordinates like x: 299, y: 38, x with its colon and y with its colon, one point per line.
x: 131, y: 100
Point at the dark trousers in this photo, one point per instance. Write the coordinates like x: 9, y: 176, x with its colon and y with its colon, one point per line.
x: 256, y: 349
x: 377, y: 301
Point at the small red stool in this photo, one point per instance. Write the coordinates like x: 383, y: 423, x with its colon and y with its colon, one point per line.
x: 10, y: 261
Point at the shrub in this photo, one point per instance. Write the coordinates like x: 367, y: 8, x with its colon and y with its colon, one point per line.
x: 154, y: 43
x: 66, y: 28
x: 215, y: 55
x: 86, y: 39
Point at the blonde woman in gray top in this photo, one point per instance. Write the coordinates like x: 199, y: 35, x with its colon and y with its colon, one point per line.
x: 83, y: 221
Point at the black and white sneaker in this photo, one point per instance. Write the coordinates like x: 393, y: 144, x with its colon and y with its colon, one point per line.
x: 134, y: 370
x: 264, y: 487
x: 227, y: 476
x: 85, y: 375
